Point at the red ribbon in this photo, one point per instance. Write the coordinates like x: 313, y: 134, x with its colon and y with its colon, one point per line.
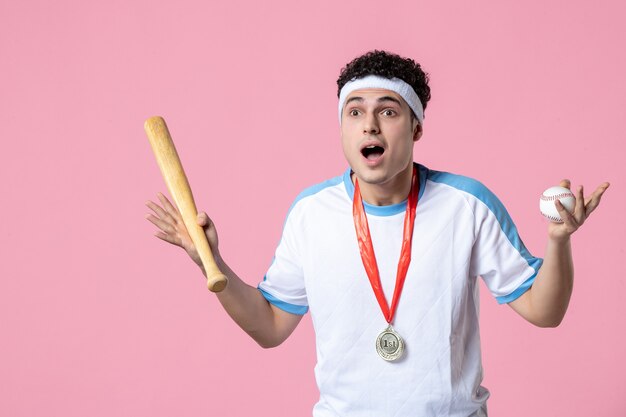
x: 367, y: 249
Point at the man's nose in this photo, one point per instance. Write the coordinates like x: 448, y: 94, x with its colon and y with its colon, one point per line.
x: 370, y: 125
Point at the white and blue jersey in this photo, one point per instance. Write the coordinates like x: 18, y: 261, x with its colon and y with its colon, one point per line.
x: 461, y: 231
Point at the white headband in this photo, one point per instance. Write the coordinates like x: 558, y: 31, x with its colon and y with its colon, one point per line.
x: 394, y: 84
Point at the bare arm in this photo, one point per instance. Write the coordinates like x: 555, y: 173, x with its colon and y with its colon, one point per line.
x: 546, y: 302
x: 268, y: 325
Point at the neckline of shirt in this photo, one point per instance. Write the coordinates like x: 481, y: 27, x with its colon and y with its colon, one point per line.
x: 392, y: 209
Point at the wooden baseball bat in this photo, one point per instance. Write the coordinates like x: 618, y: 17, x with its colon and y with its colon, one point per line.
x: 178, y: 186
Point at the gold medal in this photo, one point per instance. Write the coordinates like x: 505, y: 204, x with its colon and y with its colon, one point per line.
x: 389, y: 344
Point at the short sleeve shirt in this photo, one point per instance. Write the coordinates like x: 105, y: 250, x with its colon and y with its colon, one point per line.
x: 462, y: 231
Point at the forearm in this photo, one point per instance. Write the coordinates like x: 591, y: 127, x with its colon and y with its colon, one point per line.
x: 251, y: 311
x: 552, y: 289
x: 269, y: 326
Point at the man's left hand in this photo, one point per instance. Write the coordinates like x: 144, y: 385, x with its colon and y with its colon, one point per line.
x: 582, y: 209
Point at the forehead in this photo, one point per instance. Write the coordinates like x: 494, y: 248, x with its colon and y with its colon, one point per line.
x: 375, y: 94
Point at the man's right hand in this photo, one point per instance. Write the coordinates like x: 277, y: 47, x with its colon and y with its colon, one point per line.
x: 267, y: 324
x: 172, y: 229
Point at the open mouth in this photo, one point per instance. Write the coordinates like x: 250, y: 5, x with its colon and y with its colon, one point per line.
x: 372, y: 152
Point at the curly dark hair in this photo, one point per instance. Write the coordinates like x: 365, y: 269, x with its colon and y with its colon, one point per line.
x: 388, y: 65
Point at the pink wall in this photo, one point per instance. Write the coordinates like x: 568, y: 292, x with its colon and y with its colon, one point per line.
x: 98, y: 318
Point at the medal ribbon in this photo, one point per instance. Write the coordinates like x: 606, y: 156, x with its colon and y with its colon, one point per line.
x: 367, y: 249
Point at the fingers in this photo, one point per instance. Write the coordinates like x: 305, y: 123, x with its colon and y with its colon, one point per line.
x: 168, y: 238
x: 165, y: 221
x: 582, y: 209
x: 579, y: 209
x: 159, y: 211
x: 585, y: 206
x: 571, y: 222
x: 594, y: 199
x: 207, y: 224
x: 165, y: 226
x: 169, y: 207
x: 203, y: 220
x: 168, y: 231
x: 163, y: 215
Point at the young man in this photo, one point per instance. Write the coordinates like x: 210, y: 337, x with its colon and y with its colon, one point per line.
x: 386, y: 258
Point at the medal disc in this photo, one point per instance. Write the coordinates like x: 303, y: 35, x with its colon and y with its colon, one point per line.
x: 389, y: 345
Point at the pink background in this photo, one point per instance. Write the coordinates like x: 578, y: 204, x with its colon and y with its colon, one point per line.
x: 99, y: 318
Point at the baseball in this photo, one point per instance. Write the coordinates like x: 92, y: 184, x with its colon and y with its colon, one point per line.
x: 546, y: 202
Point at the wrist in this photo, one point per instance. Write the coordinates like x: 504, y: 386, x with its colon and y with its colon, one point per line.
x: 219, y: 261
x: 559, y: 239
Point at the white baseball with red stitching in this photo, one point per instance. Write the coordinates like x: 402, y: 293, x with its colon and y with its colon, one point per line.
x: 549, y: 196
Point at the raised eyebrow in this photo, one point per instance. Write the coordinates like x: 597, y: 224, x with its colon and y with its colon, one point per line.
x: 379, y: 100
x: 355, y: 98
x: 389, y: 98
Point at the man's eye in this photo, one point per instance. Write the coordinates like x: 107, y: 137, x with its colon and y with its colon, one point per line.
x: 354, y: 112
x: 389, y: 112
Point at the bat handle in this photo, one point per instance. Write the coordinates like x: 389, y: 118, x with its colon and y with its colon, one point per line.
x: 216, y: 280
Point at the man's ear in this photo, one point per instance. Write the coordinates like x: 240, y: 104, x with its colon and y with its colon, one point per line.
x: 417, y: 131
